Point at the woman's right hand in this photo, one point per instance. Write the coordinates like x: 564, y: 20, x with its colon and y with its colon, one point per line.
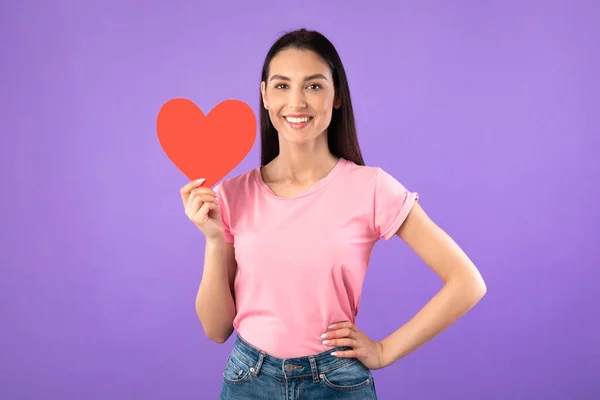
x: 202, y: 208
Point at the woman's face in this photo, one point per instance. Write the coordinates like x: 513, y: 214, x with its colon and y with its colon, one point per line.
x: 299, y: 95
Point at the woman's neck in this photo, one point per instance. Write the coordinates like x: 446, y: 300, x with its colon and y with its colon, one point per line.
x: 301, y: 164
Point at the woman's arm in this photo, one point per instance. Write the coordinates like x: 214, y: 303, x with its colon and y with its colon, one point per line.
x: 463, y: 285
x: 215, y: 301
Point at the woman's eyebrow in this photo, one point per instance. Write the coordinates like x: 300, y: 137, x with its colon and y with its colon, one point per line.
x: 308, y: 78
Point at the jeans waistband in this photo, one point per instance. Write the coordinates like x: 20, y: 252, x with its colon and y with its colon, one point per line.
x: 297, y: 367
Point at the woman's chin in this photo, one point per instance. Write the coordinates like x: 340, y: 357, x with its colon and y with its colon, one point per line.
x: 302, y: 142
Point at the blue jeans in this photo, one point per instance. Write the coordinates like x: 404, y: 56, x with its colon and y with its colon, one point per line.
x: 253, y: 374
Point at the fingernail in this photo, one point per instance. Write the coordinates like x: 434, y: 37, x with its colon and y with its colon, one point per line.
x: 326, y: 341
x: 331, y: 326
x: 334, y: 353
x: 323, y: 336
x: 200, y: 180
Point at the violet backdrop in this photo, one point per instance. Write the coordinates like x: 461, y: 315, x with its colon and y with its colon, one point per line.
x: 488, y: 109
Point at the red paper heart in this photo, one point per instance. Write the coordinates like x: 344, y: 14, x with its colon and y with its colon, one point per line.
x: 206, y: 146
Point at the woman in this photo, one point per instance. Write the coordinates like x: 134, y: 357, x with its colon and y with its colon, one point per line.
x: 288, y: 243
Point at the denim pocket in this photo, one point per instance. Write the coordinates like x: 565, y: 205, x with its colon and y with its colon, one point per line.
x: 236, y: 371
x: 349, y: 377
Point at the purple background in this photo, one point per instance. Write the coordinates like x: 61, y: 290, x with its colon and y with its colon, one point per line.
x: 488, y: 109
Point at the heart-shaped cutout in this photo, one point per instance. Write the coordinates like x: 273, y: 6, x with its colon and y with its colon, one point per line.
x: 206, y: 146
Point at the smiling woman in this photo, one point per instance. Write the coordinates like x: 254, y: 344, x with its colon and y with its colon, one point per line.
x: 303, y: 77
x: 313, y: 114
x: 304, y: 224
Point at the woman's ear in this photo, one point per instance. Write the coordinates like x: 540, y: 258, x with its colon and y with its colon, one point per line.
x: 337, y: 103
x: 263, y: 91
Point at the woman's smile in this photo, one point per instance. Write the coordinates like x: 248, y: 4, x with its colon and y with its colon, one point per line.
x: 298, y: 122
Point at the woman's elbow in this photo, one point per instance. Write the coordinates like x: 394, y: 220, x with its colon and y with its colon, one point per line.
x: 470, y: 285
x: 477, y: 286
x: 218, y: 336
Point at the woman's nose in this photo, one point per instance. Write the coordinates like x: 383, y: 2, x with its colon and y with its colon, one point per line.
x: 297, y: 99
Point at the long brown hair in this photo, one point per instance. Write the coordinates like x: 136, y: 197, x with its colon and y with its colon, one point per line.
x: 341, y: 134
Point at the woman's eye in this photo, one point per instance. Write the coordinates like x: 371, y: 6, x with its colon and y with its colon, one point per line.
x: 312, y: 87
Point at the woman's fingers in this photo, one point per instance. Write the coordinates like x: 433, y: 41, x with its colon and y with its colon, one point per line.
x: 186, y: 190
x: 203, y: 191
x: 198, y: 201
x: 205, y: 196
x: 192, y: 205
x: 202, y: 215
x: 195, y: 201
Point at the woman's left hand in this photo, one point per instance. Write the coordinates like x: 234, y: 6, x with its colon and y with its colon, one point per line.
x: 369, y: 352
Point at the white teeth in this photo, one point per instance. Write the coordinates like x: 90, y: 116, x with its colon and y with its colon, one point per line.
x: 297, y: 120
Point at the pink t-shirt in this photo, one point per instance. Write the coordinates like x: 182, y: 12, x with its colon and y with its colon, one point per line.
x: 302, y: 260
